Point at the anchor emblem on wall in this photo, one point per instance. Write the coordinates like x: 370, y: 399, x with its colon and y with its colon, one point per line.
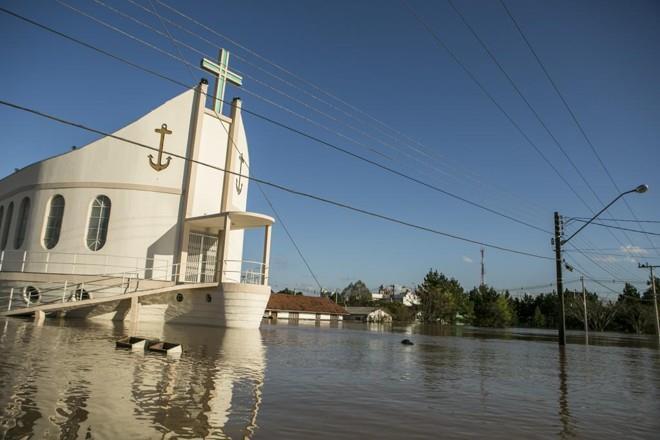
x: 239, y: 185
x: 159, y: 165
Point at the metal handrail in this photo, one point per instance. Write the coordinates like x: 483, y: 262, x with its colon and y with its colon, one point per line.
x: 88, y: 287
x: 247, y: 276
x: 260, y: 263
x: 29, y: 258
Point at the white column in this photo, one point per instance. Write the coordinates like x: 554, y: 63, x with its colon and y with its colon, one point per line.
x: 223, y: 248
x: 187, y: 185
x: 183, y: 256
x: 232, y: 140
x: 266, y: 255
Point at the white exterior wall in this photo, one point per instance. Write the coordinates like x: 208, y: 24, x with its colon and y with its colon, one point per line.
x: 301, y: 315
x: 206, y: 183
x: 213, y: 149
x: 141, y: 226
x: 144, y: 202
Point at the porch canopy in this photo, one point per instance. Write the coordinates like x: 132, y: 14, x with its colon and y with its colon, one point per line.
x: 214, y: 223
x: 220, y: 225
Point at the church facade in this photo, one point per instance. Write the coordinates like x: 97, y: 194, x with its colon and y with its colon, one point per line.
x: 158, y: 204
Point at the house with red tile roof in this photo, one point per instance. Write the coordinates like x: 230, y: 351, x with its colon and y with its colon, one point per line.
x: 302, y: 307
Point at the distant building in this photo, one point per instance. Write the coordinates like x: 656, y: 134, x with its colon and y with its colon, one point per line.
x: 367, y: 314
x: 295, y: 307
x: 397, y: 293
x: 377, y: 296
x: 409, y: 299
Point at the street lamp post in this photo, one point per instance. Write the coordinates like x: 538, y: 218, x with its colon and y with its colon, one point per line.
x: 558, y: 242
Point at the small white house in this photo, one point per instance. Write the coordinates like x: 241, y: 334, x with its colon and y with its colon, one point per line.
x: 379, y: 315
x: 367, y: 314
x: 301, y: 307
x: 410, y: 299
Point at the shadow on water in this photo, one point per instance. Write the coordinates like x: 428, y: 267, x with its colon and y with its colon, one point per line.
x: 564, y: 412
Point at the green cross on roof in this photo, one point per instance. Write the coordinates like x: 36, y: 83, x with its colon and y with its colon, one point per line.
x: 223, y: 74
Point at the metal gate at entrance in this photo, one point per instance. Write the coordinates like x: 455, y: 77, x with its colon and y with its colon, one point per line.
x: 202, y: 258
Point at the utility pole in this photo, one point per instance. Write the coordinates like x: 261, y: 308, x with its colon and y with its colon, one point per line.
x: 483, y: 272
x: 655, y: 296
x: 586, y: 319
x: 560, y: 283
x: 558, y: 242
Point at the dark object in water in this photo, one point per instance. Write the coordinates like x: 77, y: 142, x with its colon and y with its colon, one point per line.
x: 133, y: 343
x: 165, y: 347
x: 407, y: 342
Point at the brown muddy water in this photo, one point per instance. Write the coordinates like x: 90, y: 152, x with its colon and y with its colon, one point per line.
x: 67, y: 380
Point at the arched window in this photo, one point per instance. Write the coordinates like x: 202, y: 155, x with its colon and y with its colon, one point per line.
x: 54, y: 221
x: 97, y: 230
x: 21, y: 226
x: 7, y: 225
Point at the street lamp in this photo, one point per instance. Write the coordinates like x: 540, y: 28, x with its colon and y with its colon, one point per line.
x: 558, y: 242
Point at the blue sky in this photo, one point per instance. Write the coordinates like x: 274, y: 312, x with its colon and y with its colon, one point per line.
x: 603, y: 55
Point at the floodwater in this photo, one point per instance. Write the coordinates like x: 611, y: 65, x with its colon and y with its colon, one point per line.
x: 65, y: 379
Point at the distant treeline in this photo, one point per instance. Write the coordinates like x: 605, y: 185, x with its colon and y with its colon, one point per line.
x: 443, y: 299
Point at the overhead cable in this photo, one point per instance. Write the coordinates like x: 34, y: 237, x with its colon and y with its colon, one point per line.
x: 286, y: 127
x: 278, y: 186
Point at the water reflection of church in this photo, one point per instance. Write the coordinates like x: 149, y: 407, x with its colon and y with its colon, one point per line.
x: 212, y: 392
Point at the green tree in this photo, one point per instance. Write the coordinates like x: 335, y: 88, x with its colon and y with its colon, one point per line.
x: 648, y: 294
x: 356, y: 294
x: 538, y: 320
x: 601, y: 313
x: 398, y: 311
x: 634, y: 315
x: 288, y: 291
x: 441, y: 298
x: 491, y: 309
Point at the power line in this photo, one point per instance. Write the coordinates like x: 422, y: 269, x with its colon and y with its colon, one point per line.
x: 295, y: 245
x: 600, y: 219
x: 446, y: 48
x: 636, y: 248
x: 625, y: 255
x: 613, y: 292
x: 623, y: 270
x: 277, y: 215
x: 589, y: 277
x: 572, y: 113
x: 190, y: 65
x: 263, y: 193
x: 561, y: 148
x: 180, y: 58
x: 617, y: 227
x: 285, y: 126
x: 278, y: 186
x: 466, y: 174
x: 594, y: 262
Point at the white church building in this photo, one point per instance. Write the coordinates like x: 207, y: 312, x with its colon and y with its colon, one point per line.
x: 143, y: 223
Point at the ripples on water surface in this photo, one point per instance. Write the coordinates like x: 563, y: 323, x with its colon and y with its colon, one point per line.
x: 66, y: 380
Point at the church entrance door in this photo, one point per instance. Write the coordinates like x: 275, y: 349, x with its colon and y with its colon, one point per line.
x: 202, y: 257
